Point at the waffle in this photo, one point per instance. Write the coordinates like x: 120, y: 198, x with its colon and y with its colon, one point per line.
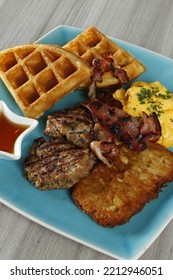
x: 92, y: 44
x: 39, y: 75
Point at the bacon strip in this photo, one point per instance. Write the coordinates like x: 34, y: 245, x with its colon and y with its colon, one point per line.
x: 98, y: 69
x: 117, y: 125
x: 105, y: 151
x: 116, y: 70
x: 106, y: 97
x: 150, y: 129
x: 99, y: 66
x: 120, y: 74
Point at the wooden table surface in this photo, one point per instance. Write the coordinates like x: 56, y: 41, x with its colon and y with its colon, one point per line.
x: 145, y: 23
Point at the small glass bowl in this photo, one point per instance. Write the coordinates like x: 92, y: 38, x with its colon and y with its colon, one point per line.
x: 17, y: 120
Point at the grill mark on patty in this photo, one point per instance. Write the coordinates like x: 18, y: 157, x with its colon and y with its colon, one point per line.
x: 75, y: 124
x: 53, y: 164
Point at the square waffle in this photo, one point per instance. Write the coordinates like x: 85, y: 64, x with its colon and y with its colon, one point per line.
x: 92, y: 44
x: 39, y: 75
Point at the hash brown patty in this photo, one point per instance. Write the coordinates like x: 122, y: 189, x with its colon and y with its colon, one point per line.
x: 112, y: 196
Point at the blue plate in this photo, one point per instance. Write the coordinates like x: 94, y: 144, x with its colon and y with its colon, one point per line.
x: 55, y: 209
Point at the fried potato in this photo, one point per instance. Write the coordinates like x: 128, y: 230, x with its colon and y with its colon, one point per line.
x: 112, y: 196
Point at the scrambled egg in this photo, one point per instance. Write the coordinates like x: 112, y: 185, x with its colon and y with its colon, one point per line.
x: 150, y: 97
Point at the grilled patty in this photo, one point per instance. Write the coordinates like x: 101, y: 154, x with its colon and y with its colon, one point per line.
x: 76, y: 124
x: 57, y: 164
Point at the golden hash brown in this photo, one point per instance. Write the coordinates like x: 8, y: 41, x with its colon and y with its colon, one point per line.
x: 112, y: 197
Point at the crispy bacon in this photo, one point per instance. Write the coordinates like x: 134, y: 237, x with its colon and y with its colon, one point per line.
x: 106, y: 97
x: 115, y: 68
x: 121, y: 126
x: 102, y: 133
x: 108, y: 56
x: 99, y: 67
x: 92, y: 91
x: 107, y: 152
x: 114, y: 126
x: 151, y: 128
x: 120, y: 74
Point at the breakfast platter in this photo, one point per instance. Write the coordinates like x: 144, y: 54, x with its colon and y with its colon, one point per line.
x: 54, y: 208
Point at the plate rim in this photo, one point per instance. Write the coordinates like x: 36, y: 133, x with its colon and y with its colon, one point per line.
x: 64, y: 233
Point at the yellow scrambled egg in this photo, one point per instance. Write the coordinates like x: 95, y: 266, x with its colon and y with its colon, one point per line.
x: 150, y: 97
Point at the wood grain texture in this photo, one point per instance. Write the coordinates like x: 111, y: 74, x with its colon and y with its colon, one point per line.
x: 141, y: 22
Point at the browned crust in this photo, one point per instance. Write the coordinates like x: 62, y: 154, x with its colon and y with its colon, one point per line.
x: 112, y: 197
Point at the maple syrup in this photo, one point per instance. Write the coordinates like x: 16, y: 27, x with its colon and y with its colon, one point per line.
x: 9, y: 132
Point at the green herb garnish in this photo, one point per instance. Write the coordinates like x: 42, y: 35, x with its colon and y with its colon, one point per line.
x: 149, y: 96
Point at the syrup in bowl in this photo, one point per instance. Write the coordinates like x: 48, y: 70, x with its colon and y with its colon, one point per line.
x: 13, y: 130
x: 9, y: 132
